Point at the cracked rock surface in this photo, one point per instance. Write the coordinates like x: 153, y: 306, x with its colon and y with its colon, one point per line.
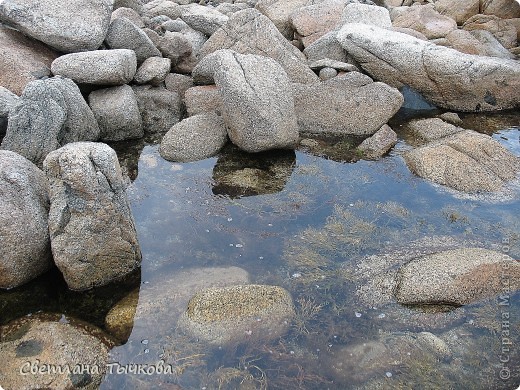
x: 446, y: 77
x: 93, y: 236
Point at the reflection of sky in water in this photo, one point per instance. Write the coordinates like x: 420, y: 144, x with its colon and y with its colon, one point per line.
x: 182, y: 224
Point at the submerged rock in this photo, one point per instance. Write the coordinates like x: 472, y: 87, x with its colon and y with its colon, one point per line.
x: 58, y: 346
x: 238, y: 313
x: 467, y: 161
x: 444, y: 76
x: 78, y: 25
x: 119, y: 321
x: 24, y: 208
x: 194, y: 138
x: 49, y: 114
x: 92, y: 231
x: 456, y: 277
x: 239, y: 174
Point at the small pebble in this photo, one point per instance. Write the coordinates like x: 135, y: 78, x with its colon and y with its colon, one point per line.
x: 357, y: 314
x: 389, y: 374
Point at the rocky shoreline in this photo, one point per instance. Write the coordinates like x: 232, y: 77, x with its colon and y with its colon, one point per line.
x: 252, y: 77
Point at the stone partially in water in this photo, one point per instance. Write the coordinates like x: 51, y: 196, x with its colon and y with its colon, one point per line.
x: 53, y: 346
x: 93, y: 236
x: 467, y: 161
x: 238, y: 313
x: 456, y: 277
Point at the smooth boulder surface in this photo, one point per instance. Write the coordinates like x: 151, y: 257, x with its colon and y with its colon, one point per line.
x: 93, y: 236
x: 50, y: 342
x: 22, y: 60
x: 466, y: 161
x: 348, y: 104
x: 204, y: 19
x: 24, y: 208
x: 444, y: 76
x: 153, y: 71
x: 49, y: 114
x: 194, y: 138
x: 237, y: 313
x: 203, y: 98
x: 258, y: 106
x: 458, y: 10
x: 99, y: 67
x: 432, y: 129
x: 456, y: 277
x: 424, y: 19
x: 250, y: 32
x: 117, y: 113
x: 279, y: 12
x: 78, y: 25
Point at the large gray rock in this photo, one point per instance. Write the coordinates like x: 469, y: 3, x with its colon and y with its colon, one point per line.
x: 367, y: 14
x: 117, y: 113
x: 78, y: 25
x: 172, y: 45
x: 194, y: 138
x: 456, y: 277
x: 258, y: 106
x: 123, y: 34
x: 129, y: 14
x: 160, y: 108
x: 326, y: 47
x: 444, y: 76
x: 348, y: 104
x: 250, y: 32
x: 431, y: 129
x: 167, y: 8
x: 466, y: 161
x: 505, y: 9
x: 7, y: 101
x: 53, y: 342
x: 49, y: 114
x: 238, y: 314
x: 24, y: 207
x: 458, y: 10
x: 93, y: 236
x: 22, y: 60
x: 101, y: 67
x: 203, y: 19
x: 505, y: 31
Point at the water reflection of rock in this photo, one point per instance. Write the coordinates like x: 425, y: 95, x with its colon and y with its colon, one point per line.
x: 336, y: 148
x: 128, y: 153
x: 237, y: 173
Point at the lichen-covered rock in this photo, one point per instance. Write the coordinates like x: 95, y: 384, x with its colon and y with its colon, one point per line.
x: 93, y: 236
x: 100, y: 67
x: 250, y: 32
x: 194, y: 138
x: 49, y: 114
x: 456, y: 277
x: 24, y: 208
x: 348, y: 104
x: 22, y: 60
x: 238, y: 313
x: 78, y: 25
x: 258, y: 106
x: 466, y: 161
x: 444, y: 76
x: 117, y: 113
x: 58, y: 346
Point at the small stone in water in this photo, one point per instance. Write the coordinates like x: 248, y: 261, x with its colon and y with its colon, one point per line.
x: 145, y: 341
x: 296, y: 275
x: 389, y: 374
x: 382, y: 315
x: 146, y: 350
x: 239, y: 245
x: 357, y: 314
x: 230, y: 219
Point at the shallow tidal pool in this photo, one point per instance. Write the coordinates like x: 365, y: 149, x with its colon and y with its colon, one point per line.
x: 328, y: 228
